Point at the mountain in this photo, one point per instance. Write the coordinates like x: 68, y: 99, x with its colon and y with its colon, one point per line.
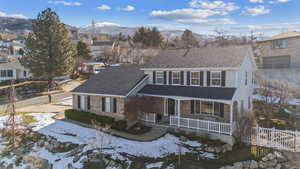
x: 15, y: 24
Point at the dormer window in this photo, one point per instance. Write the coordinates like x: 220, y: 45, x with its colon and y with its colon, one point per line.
x: 176, y: 78
x: 280, y: 44
x: 195, y: 78
x: 216, y: 78
x: 159, y: 77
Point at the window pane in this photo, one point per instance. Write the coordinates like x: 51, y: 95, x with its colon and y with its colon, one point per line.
x: 195, y: 76
x: 206, y: 107
x: 160, y: 77
x: 217, y: 109
x: 176, y: 77
x: 216, y: 82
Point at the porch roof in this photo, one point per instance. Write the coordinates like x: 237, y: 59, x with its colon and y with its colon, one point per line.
x: 215, y: 93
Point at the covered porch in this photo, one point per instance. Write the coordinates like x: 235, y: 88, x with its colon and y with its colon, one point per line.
x: 208, y: 114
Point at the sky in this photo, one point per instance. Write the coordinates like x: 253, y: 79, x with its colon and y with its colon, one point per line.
x: 201, y: 16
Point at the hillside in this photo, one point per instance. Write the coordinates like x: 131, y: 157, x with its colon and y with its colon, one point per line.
x: 15, y: 24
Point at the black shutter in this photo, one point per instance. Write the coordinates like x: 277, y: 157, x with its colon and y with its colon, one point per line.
x: 115, y: 105
x: 88, y: 102
x: 223, y: 74
x: 103, y: 104
x: 188, y: 78
x: 154, y: 77
x: 201, y: 79
x: 170, y: 77
x: 182, y: 77
x: 192, y: 106
x: 165, y: 77
x: 222, y: 109
x: 208, y: 78
x: 79, y: 102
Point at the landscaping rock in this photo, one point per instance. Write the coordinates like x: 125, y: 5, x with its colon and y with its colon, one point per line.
x: 238, y: 165
x: 271, y: 156
x: 278, y: 166
x: 38, y: 163
x: 253, y: 164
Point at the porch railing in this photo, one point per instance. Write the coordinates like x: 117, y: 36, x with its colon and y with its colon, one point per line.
x: 209, y: 126
x: 147, y: 117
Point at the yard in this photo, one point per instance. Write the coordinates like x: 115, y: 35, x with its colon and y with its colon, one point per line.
x: 77, y: 145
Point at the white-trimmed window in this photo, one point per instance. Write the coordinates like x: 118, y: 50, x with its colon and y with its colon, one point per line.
x: 159, y: 77
x: 207, y: 108
x: 216, y: 78
x: 176, y: 78
x: 107, y: 104
x: 280, y: 43
x: 195, y: 78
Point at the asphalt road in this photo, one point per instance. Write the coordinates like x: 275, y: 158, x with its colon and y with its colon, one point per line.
x: 36, y: 101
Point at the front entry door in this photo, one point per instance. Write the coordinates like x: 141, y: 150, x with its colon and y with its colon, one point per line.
x: 171, y: 107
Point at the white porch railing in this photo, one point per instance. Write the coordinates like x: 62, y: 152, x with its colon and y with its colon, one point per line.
x: 147, y: 117
x: 209, y: 126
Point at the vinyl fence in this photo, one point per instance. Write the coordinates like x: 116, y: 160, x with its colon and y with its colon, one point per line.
x: 147, y: 117
x: 275, y: 138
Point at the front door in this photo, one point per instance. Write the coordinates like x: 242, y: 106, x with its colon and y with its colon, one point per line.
x: 171, y: 107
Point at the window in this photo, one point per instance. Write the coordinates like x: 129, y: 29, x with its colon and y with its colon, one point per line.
x: 280, y: 44
x: 9, y: 73
x: 207, y: 108
x: 195, y: 78
x: 217, y: 109
x: 24, y: 73
x: 176, y: 78
x: 216, y: 78
x: 107, y: 104
x: 159, y: 77
x: 3, y: 73
x: 246, y: 78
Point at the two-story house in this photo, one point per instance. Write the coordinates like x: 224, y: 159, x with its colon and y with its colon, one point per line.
x: 280, y: 51
x: 13, y: 70
x: 202, y: 88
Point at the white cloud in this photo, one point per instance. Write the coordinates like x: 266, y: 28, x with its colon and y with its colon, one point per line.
x: 104, y: 7
x: 128, y: 8
x: 256, y: 1
x: 278, y: 1
x: 21, y: 16
x: 186, y: 13
x: 220, y: 21
x: 65, y: 3
x: 255, y: 11
x: 214, y: 5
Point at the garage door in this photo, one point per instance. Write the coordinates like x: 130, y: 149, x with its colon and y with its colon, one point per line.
x: 277, y: 62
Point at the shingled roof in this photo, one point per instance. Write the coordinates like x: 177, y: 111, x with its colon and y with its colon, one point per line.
x: 112, y: 81
x: 285, y: 35
x: 211, y: 57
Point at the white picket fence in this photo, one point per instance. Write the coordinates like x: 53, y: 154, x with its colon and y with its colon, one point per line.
x: 204, y: 125
x: 274, y: 138
x: 147, y: 117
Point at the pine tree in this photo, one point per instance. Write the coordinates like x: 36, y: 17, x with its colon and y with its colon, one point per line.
x: 148, y: 37
x: 48, y: 52
x: 83, y: 50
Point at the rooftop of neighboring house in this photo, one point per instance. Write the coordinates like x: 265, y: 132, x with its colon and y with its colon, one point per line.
x: 15, y: 64
x: 102, y: 43
x: 285, y: 35
x: 210, y: 57
x: 112, y: 81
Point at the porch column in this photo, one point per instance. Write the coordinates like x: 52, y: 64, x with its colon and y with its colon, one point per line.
x: 178, y: 112
x: 231, y: 118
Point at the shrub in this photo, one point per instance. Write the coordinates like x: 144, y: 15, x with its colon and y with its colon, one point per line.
x: 120, y: 125
x: 87, y: 117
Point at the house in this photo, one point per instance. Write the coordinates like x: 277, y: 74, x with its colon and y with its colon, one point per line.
x: 280, y: 51
x: 201, y: 89
x: 98, y: 48
x: 13, y: 70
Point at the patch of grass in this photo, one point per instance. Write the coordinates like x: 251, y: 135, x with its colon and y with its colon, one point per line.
x: 28, y: 119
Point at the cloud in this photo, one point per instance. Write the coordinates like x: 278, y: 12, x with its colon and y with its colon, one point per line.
x: 220, y: 21
x: 20, y: 16
x: 214, y: 5
x: 256, y: 1
x: 128, y: 8
x: 104, y: 7
x: 255, y: 11
x: 65, y: 3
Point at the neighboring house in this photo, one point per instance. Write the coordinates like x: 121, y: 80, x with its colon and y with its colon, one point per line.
x: 280, y: 51
x: 12, y: 71
x: 98, y: 48
x: 207, y: 89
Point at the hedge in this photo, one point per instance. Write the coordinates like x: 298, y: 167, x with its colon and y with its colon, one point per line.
x: 87, y: 117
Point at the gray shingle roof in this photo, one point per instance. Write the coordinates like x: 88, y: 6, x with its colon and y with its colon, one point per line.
x: 112, y: 81
x: 211, y: 57
x: 216, y: 93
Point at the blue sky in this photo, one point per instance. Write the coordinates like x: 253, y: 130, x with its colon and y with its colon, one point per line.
x: 201, y: 16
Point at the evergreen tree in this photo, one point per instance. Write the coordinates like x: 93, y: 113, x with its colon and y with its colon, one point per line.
x: 83, y: 50
x: 48, y: 52
x: 148, y: 37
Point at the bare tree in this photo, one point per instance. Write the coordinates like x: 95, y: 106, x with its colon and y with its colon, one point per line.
x: 243, y: 127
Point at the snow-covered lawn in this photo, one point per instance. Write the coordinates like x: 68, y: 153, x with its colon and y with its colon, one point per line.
x: 115, y: 146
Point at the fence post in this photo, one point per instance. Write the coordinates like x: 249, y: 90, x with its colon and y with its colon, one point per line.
x: 208, y: 126
x: 296, y: 141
